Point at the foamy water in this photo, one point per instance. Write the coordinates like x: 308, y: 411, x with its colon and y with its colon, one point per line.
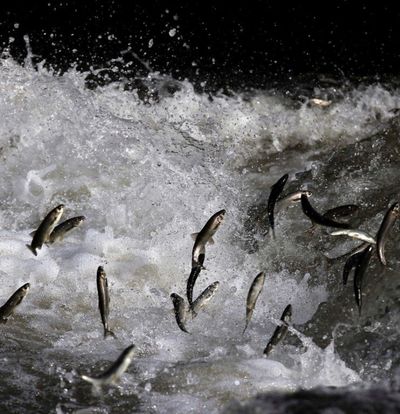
x: 146, y: 177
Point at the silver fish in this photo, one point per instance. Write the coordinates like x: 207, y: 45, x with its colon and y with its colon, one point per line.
x: 355, y: 234
x: 104, y: 300
x: 46, y: 227
x: 65, y: 227
x: 181, y: 311
x: 113, y: 374
x: 205, y: 236
x: 254, y: 291
x: 321, y: 103
x: 361, y: 267
x: 9, y: 307
x: 276, y: 191
x: 280, y: 331
x: 291, y: 198
x: 204, y: 298
x: 387, y: 223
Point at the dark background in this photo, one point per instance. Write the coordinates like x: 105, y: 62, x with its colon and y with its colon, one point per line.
x: 246, y: 44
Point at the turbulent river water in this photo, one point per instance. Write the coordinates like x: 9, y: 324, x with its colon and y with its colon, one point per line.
x: 148, y: 174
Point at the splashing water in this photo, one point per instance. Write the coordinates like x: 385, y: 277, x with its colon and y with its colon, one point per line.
x: 146, y: 177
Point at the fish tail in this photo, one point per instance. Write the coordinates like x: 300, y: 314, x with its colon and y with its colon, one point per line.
x: 31, y: 249
x: 108, y: 332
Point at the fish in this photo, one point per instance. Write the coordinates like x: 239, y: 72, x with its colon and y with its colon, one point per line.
x: 337, y: 213
x: 46, y: 227
x: 276, y: 191
x: 65, y: 227
x: 280, y: 331
x: 204, y: 298
x: 341, y: 211
x: 254, y: 291
x: 113, y: 374
x: 194, y: 274
x: 180, y: 310
x: 351, y: 262
x: 206, y: 236
x: 387, y: 223
x: 16, y: 298
x: 291, y: 198
x: 317, y: 218
x: 321, y: 103
x: 104, y: 300
x: 361, y: 267
x: 355, y: 234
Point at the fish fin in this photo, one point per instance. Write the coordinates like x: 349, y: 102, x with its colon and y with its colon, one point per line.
x: 244, y: 330
x: 32, y: 233
x: 211, y: 241
x: 108, y: 332
x: 31, y: 249
x: 194, y: 236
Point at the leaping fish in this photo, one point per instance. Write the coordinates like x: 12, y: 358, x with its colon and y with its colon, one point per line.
x: 291, y: 198
x: 104, y: 300
x: 16, y: 298
x: 254, y: 291
x: 46, y: 227
x: 280, y: 331
x: 205, y: 236
x: 361, y: 267
x: 180, y: 310
x: 113, y: 374
x: 65, y: 227
x: 276, y: 191
x: 387, y: 223
x: 355, y: 234
x: 204, y: 298
x: 351, y: 263
x: 315, y: 217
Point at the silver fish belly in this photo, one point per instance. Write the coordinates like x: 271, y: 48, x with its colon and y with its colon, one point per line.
x: 254, y: 291
x: 204, y: 298
x: 46, y: 227
x: 16, y: 298
x: 355, y: 234
x: 387, y: 223
x: 104, y: 300
x: 64, y: 228
x: 114, y: 373
x: 205, y: 236
x: 180, y: 310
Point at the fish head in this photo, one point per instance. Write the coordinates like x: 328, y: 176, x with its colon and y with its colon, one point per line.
x: 219, y: 217
x: 25, y: 288
x: 78, y: 220
x: 60, y: 209
x: 308, y: 193
x: 396, y: 209
x: 287, y: 314
x: 176, y: 299
x: 100, y: 272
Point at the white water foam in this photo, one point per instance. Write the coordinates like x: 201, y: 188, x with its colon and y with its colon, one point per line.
x: 146, y: 177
